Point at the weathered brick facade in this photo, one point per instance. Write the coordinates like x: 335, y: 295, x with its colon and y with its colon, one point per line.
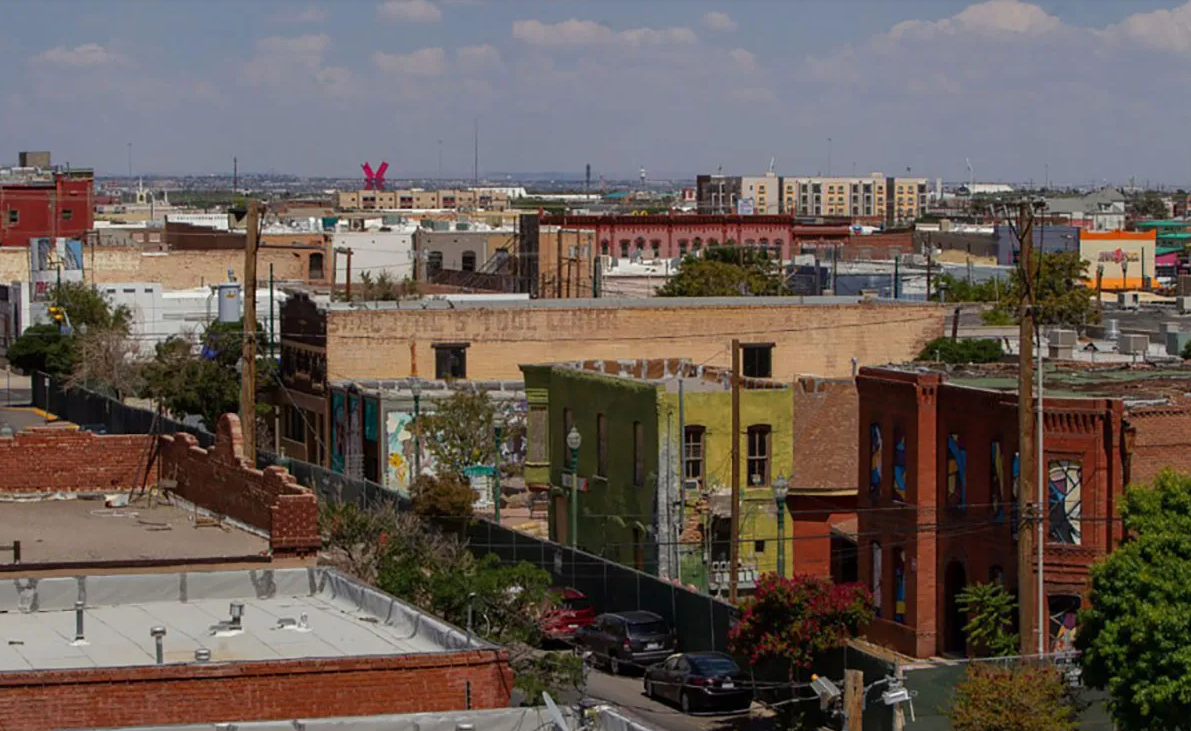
x: 219, y: 479
x: 953, y: 524
x: 225, y: 692
x: 69, y: 461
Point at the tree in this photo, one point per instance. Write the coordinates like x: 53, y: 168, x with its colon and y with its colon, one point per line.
x: 383, y: 288
x: 1187, y: 351
x: 462, y: 432
x: 89, y: 308
x: 946, y: 350
x: 1063, y: 297
x: 1148, y: 205
x: 958, y: 289
x: 1133, y: 640
x: 996, y: 697
x: 43, y: 348
x: 795, y: 619
x: 990, y: 610
x: 446, y: 496
x: 710, y: 278
x: 106, y: 361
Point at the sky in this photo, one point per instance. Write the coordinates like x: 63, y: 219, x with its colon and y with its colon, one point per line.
x: 1071, y: 91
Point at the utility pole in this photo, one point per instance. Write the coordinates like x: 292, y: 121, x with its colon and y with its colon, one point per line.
x: 1026, y: 431
x: 853, y: 700
x: 248, y: 369
x: 734, y: 549
x: 346, y: 251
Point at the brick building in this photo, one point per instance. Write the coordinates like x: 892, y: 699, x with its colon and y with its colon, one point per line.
x: 940, y: 489
x: 53, y: 204
x: 488, y: 339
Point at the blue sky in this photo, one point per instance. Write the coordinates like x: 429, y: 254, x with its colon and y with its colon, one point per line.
x: 1082, y: 90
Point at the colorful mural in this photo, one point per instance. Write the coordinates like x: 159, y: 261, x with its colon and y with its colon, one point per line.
x: 877, y: 570
x: 1015, y: 479
x: 957, y: 472
x: 875, y: 456
x: 399, y: 451
x: 899, y: 465
x: 899, y: 585
x: 996, y: 482
x: 338, y: 431
x: 1063, y: 612
x: 1066, y: 481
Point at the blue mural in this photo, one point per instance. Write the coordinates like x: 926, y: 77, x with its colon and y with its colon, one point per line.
x: 996, y: 482
x: 875, y: 456
x: 957, y: 472
x: 899, y: 465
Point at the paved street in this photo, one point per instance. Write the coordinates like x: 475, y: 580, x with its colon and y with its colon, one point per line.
x: 626, y: 692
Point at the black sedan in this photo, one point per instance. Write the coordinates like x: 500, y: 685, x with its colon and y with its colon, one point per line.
x: 700, y: 681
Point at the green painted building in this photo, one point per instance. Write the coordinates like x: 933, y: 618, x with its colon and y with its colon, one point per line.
x: 654, y: 463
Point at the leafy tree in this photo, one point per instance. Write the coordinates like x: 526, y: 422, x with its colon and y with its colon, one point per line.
x: 1133, y: 640
x: 1148, y: 205
x: 1187, y: 351
x: 89, y: 308
x: 43, y: 348
x: 464, y: 431
x: 446, y: 496
x: 710, y: 278
x: 990, y: 609
x: 958, y: 289
x: 383, y: 288
x: 946, y: 350
x: 1062, y: 296
x: 996, y: 697
x: 795, y: 619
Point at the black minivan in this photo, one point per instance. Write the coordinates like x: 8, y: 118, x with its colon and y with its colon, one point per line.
x: 624, y: 640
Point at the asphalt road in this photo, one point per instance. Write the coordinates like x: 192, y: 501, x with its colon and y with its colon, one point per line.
x: 626, y: 691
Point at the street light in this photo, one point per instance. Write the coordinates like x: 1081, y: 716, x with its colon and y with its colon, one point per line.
x: 781, y: 488
x: 574, y: 440
x: 416, y: 389
x: 496, y: 474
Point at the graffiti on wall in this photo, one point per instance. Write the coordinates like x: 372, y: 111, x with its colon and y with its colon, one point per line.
x: 338, y: 431
x: 399, y: 436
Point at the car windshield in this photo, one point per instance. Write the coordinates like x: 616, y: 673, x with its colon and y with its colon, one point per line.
x: 579, y: 604
x: 641, y: 629
x: 712, y: 665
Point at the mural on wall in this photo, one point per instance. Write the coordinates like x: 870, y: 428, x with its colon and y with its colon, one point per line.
x: 899, y: 585
x: 875, y: 456
x: 996, y: 482
x: 1066, y: 483
x: 1063, y: 611
x: 957, y: 472
x: 399, y: 435
x: 338, y: 431
x: 899, y: 465
x: 876, y: 587
x: 354, y: 452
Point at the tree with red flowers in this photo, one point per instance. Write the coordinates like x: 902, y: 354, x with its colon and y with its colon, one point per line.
x: 795, y: 619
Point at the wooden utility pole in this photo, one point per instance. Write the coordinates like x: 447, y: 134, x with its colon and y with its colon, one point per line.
x: 1026, y: 433
x: 248, y: 369
x: 734, y: 549
x: 853, y: 700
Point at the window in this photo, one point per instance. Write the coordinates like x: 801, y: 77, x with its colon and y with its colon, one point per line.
x: 875, y: 461
x: 536, y: 429
x: 899, y: 585
x: 601, y: 445
x: 899, y: 464
x: 1065, y: 485
x: 876, y: 577
x: 605, y: 247
x: 682, y: 247
x: 957, y: 468
x: 450, y: 360
x: 640, y: 244
x: 315, y: 266
x: 468, y: 261
x: 624, y: 248
x: 758, y: 546
x: 568, y: 423
x: 638, y: 454
x: 14, y: 216
x: 757, y: 360
x: 758, y: 454
x: 1063, y: 611
x: 434, y: 262
x: 656, y: 245
x: 692, y: 453
x: 295, y: 427
x: 996, y: 481
x: 67, y: 214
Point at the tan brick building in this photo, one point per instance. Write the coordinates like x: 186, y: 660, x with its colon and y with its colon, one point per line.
x: 417, y: 199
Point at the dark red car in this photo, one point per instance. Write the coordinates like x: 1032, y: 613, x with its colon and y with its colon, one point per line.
x: 572, y: 612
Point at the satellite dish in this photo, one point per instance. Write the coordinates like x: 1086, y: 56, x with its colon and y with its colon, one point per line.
x: 560, y: 722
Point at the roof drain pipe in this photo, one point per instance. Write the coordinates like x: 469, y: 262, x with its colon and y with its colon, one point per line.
x: 157, y: 633
x: 79, y: 638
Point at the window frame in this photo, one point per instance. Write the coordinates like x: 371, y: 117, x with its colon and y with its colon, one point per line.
x: 701, y: 460
x: 751, y: 351
x: 442, y: 350
x: 759, y: 434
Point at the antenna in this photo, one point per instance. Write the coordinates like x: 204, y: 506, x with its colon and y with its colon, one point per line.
x: 772, y: 162
x: 560, y: 721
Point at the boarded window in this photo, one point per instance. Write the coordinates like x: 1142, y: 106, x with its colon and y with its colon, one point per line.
x: 537, y: 426
x: 757, y: 360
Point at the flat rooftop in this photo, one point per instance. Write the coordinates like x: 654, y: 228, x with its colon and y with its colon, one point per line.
x: 615, y: 303
x: 497, y: 719
x: 343, y: 618
x: 1137, y: 385
x: 85, y: 530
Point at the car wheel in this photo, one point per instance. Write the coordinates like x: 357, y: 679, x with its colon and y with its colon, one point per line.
x: 684, y: 701
x: 648, y: 689
x: 613, y: 665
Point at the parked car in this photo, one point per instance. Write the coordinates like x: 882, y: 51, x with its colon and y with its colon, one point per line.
x: 622, y: 640
x: 700, y: 681
x: 572, y: 613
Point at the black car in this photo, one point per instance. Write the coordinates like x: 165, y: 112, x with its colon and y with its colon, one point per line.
x: 623, y: 640
x: 700, y: 681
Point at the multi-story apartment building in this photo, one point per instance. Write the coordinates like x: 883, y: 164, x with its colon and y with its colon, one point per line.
x: 417, y: 199
x: 875, y: 198
x: 763, y: 195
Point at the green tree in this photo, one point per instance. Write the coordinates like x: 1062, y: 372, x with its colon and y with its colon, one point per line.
x: 990, y: 609
x: 88, y: 308
x: 1148, y: 205
x: 1187, y: 351
x: 1134, y: 639
x: 461, y: 432
x: 958, y: 289
x: 446, y: 497
x: 43, y: 348
x: 1063, y: 297
x: 996, y: 697
x: 946, y: 350
x: 710, y: 278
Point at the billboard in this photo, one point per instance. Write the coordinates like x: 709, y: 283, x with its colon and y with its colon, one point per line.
x: 745, y: 207
x: 52, y: 261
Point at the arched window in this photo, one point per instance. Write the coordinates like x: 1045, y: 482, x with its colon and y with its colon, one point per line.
x: 624, y: 248
x: 764, y: 241
x: 875, y: 584
x: 467, y: 262
x: 434, y: 262
x: 899, y: 585
x: 640, y: 242
x: 682, y: 247
x: 875, y: 461
x: 656, y: 246
x: 899, y: 464
x: 605, y: 247
x: 315, y: 265
x: 698, y: 243
x: 712, y: 241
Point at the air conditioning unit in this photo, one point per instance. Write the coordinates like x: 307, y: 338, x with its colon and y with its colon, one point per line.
x: 1184, y: 304
x: 1129, y: 300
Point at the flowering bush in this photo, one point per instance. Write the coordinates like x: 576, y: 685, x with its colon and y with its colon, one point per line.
x: 994, y: 697
x: 795, y: 619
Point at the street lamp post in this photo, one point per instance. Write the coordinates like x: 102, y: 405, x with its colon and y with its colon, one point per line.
x: 416, y: 388
x: 574, y: 440
x: 496, y: 476
x: 781, y: 488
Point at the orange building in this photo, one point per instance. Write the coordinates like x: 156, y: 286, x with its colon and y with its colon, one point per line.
x: 1124, y: 260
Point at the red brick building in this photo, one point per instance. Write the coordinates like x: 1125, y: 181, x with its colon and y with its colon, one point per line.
x: 62, y: 205
x: 939, y: 491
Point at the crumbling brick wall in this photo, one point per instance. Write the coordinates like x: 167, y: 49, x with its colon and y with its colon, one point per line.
x: 50, y: 460
x: 221, y: 480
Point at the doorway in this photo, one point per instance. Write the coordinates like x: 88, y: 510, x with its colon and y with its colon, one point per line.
x: 561, y: 522
x: 954, y: 581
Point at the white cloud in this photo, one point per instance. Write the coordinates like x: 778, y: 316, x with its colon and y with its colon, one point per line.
x: 410, y: 11
x: 424, y: 62
x: 474, y: 59
x: 311, y: 14
x: 296, y: 60
x: 746, y: 60
x: 575, y: 32
x: 81, y: 56
x: 998, y: 18
x: 716, y: 20
x: 1163, y: 30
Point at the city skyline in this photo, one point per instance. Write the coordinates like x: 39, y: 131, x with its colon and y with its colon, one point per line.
x: 1023, y: 90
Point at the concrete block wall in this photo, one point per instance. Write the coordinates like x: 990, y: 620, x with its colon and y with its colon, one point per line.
x: 60, y: 460
x: 221, y: 480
